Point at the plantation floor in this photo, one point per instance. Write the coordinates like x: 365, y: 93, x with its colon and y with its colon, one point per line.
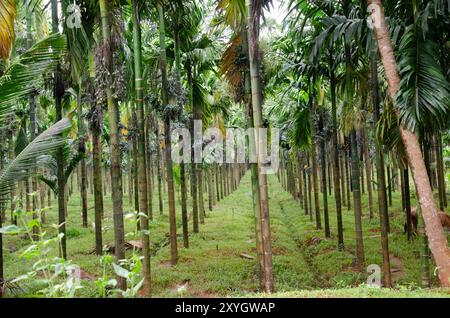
x: 213, y: 266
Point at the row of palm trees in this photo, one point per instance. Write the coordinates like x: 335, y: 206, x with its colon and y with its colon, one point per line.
x: 151, y: 101
x: 329, y: 54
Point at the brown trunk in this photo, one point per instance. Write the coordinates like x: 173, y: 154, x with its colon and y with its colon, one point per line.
x: 381, y: 185
x: 368, y: 166
x: 98, y: 192
x: 314, y: 159
x: 437, y: 239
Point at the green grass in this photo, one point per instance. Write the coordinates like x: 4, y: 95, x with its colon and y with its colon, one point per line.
x: 212, y: 265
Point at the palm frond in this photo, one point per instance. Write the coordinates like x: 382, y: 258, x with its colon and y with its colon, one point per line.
x: 17, y: 80
x: 424, y: 95
x: 32, y: 156
x: 7, y: 16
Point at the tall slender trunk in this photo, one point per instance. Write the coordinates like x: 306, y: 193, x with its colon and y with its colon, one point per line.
x: 314, y: 159
x: 381, y: 185
x: 97, y: 176
x: 32, y: 100
x: 141, y: 162
x: 194, y: 185
x: 407, y: 203
x: 310, y: 212
x: 440, y: 172
x: 210, y: 194
x: 149, y: 165
x: 307, y: 193
x: 323, y: 161
x: 437, y: 239
x: 254, y: 14
x: 220, y: 171
x: 113, y: 115
x: 184, y: 213
x: 336, y: 171
x: 58, y: 93
x: 134, y: 168
x: 182, y: 164
x: 300, y: 181
x: 217, y: 179
x: 347, y: 178
x: 368, y: 167
x: 13, y: 187
x: 168, y: 142
x: 82, y: 150
x: 158, y: 164
x: 342, y: 176
x: 201, y: 200
x: 357, y: 201
x: 254, y: 169
x: 389, y: 184
x: 129, y: 178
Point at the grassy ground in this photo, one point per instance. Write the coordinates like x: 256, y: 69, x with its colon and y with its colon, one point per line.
x: 212, y: 266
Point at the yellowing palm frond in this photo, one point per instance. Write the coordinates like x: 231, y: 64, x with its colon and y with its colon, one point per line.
x: 7, y: 16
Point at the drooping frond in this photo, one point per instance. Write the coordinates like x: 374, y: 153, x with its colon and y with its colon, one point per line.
x: 424, y: 95
x: 7, y: 16
x: 32, y: 155
x: 234, y: 12
x: 17, y: 80
x: 232, y: 66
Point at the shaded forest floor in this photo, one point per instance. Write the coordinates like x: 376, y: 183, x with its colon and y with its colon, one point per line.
x: 304, y: 264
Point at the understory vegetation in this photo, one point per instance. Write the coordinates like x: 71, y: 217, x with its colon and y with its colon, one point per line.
x: 214, y: 267
x: 224, y: 148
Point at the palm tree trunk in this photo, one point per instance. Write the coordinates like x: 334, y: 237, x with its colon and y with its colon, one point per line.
x: 220, y: 172
x: 342, y: 177
x: 201, y: 200
x: 305, y: 198
x: 217, y: 179
x: 254, y: 14
x: 194, y: 185
x: 210, y: 194
x: 254, y: 169
x: 300, y: 181
x: 436, y: 237
x: 381, y: 181
x: 141, y: 162
x: 58, y: 93
x: 440, y: 172
x: 13, y: 187
x: 368, y: 167
x: 134, y: 153
x: 389, y: 183
x: 407, y: 203
x: 159, y: 170
x: 184, y: 213
x: 314, y: 159
x: 168, y: 142
x: 82, y: 149
x: 149, y: 166
x: 323, y: 162
x: 336, y: 171
x: 97, y: 176
x: 182, y: 164
x: 113, y: 114
x: 357, y: 201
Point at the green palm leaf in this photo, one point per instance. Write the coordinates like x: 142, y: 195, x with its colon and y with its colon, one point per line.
x: 424, y: 95
x: 18, y: 79
x: 33, y: 155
